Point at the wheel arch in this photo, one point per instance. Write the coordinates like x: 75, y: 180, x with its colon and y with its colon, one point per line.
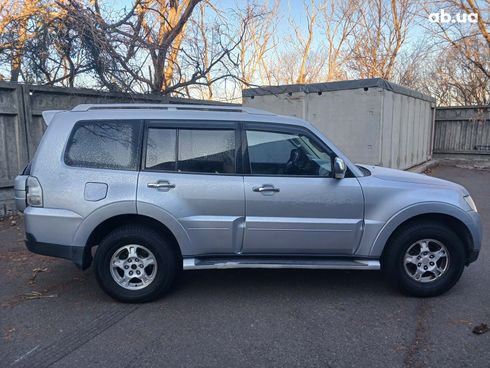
x: 111, y: 223
x: 457, y: 225
x: 446, y: 214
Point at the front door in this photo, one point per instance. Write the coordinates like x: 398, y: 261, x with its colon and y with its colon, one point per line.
x: 190, y: 173
x: 293, y: 203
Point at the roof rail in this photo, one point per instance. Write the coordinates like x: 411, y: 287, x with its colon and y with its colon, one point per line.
x: 169, y: 107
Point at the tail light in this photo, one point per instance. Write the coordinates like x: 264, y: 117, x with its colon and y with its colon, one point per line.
x: 34, y: 196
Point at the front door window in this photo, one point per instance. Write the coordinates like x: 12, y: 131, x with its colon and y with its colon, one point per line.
x: 287, y: 154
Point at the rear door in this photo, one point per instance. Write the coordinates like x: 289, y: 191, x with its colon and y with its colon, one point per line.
x: 190, y: 171
x: 293, y: 203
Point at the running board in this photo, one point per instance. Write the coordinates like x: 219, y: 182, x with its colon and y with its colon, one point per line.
x: 324, y: 264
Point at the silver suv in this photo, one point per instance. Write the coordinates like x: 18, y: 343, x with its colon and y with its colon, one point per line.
x: 149, y: 190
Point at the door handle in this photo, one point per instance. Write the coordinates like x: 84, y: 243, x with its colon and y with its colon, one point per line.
x: 265, y: 188
x: 161, y: 184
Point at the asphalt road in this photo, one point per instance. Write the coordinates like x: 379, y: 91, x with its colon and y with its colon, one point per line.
x: 243, y: 318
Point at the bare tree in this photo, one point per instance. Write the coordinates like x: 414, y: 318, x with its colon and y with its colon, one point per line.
x: 305, y: 40
x: 457, y: 82
x: 462, y: 34
x: 298, y: 58
x: 258, y: 40
x: 462, y: 70
x: 36, y: 45
x: 202, y: 28
x: 121, y: 47
x: 148, y: 48
x: 414, y: 64
x: 164, y: 24
x: 382, y: 31
x: 15, y: 33
x: 340, y: 20
x: 253, y: 25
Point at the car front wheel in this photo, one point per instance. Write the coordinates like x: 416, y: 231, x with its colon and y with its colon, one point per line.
x: 424, y: 259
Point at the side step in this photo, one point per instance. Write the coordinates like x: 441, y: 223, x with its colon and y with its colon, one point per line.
x: 305, y: 263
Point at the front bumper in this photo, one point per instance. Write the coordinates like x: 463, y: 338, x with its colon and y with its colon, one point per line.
x: 78, y: 255
x: 475, y: 227
x: 472, y: 256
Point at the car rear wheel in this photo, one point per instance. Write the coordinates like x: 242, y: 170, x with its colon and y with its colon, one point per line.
x: 424, y: 259
x: 135, y: 264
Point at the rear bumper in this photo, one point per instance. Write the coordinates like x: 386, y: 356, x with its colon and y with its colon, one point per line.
x: 20, y: 192
x: 78, y: 255
x: 52, y: 225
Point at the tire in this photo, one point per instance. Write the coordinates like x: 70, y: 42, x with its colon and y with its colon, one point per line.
x: 407, y: 271
x: 145, y: 254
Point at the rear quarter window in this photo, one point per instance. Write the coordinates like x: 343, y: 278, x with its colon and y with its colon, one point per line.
x: 104, y: 145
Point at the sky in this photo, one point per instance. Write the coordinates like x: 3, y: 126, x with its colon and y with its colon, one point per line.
x: 289, y: 10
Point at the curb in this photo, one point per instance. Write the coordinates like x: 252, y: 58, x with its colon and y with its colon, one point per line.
x: 424, y: 166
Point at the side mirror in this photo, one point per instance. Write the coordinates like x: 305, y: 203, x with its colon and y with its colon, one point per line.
x: 339, y: 168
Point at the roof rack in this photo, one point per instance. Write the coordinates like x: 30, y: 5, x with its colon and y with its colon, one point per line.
x: 170, y: 107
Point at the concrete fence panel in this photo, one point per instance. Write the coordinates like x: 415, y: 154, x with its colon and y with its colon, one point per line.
x: 13, y: 140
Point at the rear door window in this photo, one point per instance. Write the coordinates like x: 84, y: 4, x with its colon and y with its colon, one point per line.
x: 206, y: 151
x: 185, y: 150
x: 104, y: 145
x: 161, y: 149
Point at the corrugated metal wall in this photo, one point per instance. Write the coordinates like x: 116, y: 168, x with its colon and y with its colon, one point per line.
x: 21, y: 124
x: 352, y: 119
x: 463, y: 130
x: 406, y: 137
